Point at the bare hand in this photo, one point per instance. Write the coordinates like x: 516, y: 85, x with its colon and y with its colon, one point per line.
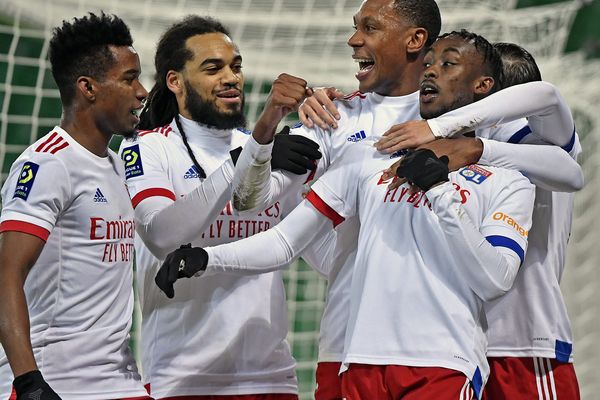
x: 287, y: 93
x: 320, y: 109
x: 408, y: 135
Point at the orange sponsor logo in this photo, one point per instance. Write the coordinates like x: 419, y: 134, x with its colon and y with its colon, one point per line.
x: 500, y: 216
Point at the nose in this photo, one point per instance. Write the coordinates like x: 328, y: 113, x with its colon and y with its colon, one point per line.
x: 356, y: 40
x: 430, y: 72
x: 141, y: 93
x: 230, y: 77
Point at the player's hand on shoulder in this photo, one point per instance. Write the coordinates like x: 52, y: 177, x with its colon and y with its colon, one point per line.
x: 320, y: 109
x: 407, y: 135
x: 31, y: 385
x: 294, y: 153
x: 184, y: 262
x: 423, y: 168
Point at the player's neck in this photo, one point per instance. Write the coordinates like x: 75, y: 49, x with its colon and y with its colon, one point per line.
x: 409, y: 82
x: 85, y: 132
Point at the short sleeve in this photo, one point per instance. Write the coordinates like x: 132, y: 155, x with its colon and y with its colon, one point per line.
x: 508, y: 219
x: 36, y: 192
x: 146, y: 169
x: 335, y: 194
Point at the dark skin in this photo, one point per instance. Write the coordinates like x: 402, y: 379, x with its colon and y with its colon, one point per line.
x: 455, y: 70
x: 389, y: 53
x: 101, y: 107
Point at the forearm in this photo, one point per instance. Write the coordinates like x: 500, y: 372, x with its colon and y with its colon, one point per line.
x: 164, y: 228
x: 490, y: 272
x: 548, y: 167
x: 255, y: 186
x: 14, y: 327
x: 273, y: 249
x: 549, y: 117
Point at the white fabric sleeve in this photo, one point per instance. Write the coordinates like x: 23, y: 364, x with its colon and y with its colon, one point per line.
x: 548, y: 167
x: 165, y: 225
x: 490, y: 271
x: 549, y: 116
x: 272, y: 249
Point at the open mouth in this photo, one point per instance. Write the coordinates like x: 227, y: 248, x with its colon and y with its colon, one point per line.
x: 365, y: 66
x: 428, y: 91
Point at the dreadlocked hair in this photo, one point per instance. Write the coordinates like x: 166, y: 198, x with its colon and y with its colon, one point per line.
x: 518, y: 65
x: 421, y: 13
x: 172, y: 54
x: 81, y: 48
x: 491, y: 58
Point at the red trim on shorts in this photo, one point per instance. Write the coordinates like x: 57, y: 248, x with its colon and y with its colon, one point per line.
x: 144, y: 194
x: 531, y: 377
x: 24, y: 227
x: 329, y: 382
x: 324, y: 208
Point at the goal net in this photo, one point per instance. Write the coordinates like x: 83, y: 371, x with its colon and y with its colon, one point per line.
x: 308, y: 38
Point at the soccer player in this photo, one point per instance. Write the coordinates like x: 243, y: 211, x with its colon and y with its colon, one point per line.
x: 66, y: 257
x: 421, y: 257
x: 529, y: 336
x: 227, y: 336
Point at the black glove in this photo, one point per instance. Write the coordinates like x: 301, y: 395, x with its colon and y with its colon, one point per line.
x: 294, y: 153
x: 184, y: 262
x: 32, y: 386
x: 423, y: 168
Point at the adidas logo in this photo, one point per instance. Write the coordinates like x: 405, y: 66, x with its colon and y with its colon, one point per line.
x: 357, y: 137
x: 99, y: 197
x: 192, y: 173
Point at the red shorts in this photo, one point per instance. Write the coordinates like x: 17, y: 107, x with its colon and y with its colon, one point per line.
x: 329, y: 382
x: 264, y: 396
x: 362, y: 381
x: 530, y: 378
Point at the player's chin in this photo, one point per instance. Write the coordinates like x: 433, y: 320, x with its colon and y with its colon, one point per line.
x: 430, y: 110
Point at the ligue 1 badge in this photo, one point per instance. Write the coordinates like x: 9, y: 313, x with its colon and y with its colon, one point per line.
x: 133, y: 162
x: 26, y: 179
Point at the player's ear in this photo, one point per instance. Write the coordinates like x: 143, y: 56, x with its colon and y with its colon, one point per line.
x: 174, y: 82
x: 87, y: 87
x: 484, y: 85
x: 417, y: 39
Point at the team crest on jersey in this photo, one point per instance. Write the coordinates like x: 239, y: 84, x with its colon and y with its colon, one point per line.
x: 133, y: 162
x: 26, y: 179
x: 357, y: 137
x: 475, y: 174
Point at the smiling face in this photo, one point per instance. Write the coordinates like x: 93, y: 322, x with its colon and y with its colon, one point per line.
x: 120, y: 93
x: 379, y: 46
x: 454, y: 76
x: 213, y: 81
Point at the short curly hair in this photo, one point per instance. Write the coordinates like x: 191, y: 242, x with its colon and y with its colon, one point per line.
x: 423, y: 14
x: 81, y: 48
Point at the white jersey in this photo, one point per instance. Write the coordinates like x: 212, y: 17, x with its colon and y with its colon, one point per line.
x: 409, y: 305
x: 537, y: 324
x: 80, y: 290
x: 223, y: 335
x: 362, y: 116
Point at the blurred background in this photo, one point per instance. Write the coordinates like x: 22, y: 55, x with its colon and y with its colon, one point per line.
x: 308, y: 38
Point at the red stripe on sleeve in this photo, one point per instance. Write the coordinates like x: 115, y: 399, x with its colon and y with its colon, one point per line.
x: 25, y: 227
x: 45, y: 142
x: 324, y: 208
x: 144, y: 194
